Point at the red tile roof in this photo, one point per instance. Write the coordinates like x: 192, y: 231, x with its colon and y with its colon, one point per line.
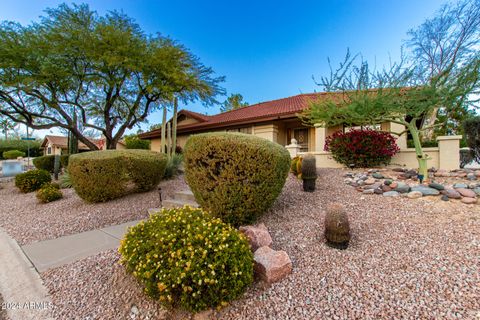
x: 264, y: 111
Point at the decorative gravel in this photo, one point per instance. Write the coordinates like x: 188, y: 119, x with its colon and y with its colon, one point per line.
x: 28, y: 221
x: 409, y: 259
x: 3, y: 312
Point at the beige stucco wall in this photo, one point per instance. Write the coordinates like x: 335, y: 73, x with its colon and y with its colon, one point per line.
x: 408, y: 158
x: 266, y: 131
x: 55, y: 150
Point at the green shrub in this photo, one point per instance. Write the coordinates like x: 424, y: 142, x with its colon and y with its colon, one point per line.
x: 32, y: 180
x: 49, y: 192
x: 21, y: 145
x: 134, y: 142
x: 45, y: 163
x: 173, y: 166
x: 235, y: 176
x: 100, y: 176
x: 13, y: 154
x: 293, y: 165
x: 186, y: 258
x: 64, y: 160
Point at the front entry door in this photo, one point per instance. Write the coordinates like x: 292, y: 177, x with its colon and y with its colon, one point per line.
x: 301, y: 135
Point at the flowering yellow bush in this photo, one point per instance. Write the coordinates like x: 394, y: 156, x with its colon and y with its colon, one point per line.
x: 186, y: 258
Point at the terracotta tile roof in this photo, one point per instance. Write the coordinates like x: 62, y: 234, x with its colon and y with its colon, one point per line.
x: 264, y: 111
x: 62, y: 142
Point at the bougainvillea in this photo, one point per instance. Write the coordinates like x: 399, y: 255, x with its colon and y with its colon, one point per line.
x: 362, y: 148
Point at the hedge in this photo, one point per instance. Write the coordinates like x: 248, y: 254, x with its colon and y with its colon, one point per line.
x: 13, y: 154
x: 48, y: 162
x: 21, y: 145
x: 100, y: 176
x: 235, y: 176
x: 186, y: 258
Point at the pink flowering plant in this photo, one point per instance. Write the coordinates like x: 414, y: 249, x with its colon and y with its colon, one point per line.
x: 363, y: 148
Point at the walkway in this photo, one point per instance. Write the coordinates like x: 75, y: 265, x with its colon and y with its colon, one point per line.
x: 60, y: 251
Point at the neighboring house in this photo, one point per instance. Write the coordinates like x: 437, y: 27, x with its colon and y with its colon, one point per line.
x: 53, y: 145
x: 274, y: 120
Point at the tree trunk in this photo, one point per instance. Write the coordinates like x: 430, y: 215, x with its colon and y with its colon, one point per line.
x: 164, y: 124
x: 422, y: 158
x: 174, y: 127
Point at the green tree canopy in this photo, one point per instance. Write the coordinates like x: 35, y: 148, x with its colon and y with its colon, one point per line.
x: 233, y: 102
x: 369, y: 97
x: 103, y: 70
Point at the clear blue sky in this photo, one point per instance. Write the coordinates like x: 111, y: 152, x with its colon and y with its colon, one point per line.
x: 266, y: 49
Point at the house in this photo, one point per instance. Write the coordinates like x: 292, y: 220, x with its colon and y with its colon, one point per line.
x: 53, y: 145
x: 277, y: 121
x: 274, y: 120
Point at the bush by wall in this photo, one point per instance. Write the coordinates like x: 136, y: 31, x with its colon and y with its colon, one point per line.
x: 235, y: 176
x: 32, y: 180
x: 21, y: 145
x: 48, y: 162
x: 13, y: 154
x: 362, y: 148
x: 188, y: 259
x: 471, y: 127
x: 49, y: 192
x: 99, y: 176
x: 134, y: 142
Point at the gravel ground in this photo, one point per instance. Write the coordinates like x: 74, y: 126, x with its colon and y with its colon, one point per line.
x: 3, y: 312
x: 28, y: 221
x: 408, y: 259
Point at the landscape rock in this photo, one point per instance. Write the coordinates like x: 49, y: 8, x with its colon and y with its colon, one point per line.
x: 460, y: 185
x: 452, y: 193
x: 398, y: 169
x: 258, y: 236
x: 402, y: 187
x: 477, y: 173
x: 436, y: 185
x: 270, y: 265
x: 393, y: 184
x: 391, y: 194
x: 445, y: 198
x: 414, y: 194
x: 377, y: 175
x: 467, y: 192
x: 386, y: 188
x: 368, y: 191
x: 477, y: 191
x: 467, y: 200
x: 471, y: 176
x: 378, y: 191
x: 370, y: 181
x: 426, y: 191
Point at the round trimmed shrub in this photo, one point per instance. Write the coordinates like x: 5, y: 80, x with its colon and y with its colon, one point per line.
x: 362, y: 148
x: 235, y: 176
x: 13, y: 154
x: 32, y: 180
x: 186, y: 258
x: 100, y: 176
x: 48, y: 193
x: 45, y: 163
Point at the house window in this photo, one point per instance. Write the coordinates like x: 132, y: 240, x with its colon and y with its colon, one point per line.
x: 49, y: 150
x: 247, y: 130
x: 301, y: 135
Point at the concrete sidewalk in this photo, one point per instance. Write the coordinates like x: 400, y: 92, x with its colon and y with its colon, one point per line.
x: 57, y: 252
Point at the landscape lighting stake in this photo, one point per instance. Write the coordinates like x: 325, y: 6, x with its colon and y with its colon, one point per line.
x: 160, y: 195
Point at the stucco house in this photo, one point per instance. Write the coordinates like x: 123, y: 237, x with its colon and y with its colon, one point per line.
x: 53, y: 145
x: 277, y: 120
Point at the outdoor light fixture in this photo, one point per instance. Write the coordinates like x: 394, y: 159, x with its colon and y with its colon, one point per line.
x: 420, y: 178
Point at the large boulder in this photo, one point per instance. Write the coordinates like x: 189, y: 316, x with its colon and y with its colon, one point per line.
x: 270, y: 265
x: 257, y: 236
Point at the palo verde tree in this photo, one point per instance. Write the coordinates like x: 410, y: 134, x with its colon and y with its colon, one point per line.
x: 391, y: 95
x: 103, y: 70
x: 446, y: 41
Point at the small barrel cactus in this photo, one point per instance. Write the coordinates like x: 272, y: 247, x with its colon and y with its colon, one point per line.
x: 309, y: 173
x: 299, y: 167
x: 337, y: 228
x: 293, y: 166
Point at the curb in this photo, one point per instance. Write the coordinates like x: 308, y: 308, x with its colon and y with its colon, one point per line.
x: 21, y: 287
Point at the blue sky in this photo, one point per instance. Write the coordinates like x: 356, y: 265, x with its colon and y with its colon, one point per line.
x: 266, y: 49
